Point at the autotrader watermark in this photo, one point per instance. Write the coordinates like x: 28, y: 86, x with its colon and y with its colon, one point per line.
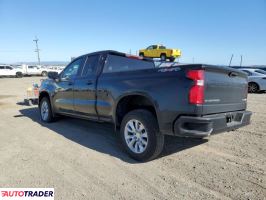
x: 26, y: 193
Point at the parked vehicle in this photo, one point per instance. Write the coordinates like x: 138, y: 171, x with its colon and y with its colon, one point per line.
x: 6, y: 70
x: 256, y: 79
x: 242, y: 67
x: 31, y: 70
x: 47, y: 69
x: 160, y: 51
x: 145, y: 102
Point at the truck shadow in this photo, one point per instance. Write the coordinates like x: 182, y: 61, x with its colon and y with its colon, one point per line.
x: 101, y: 137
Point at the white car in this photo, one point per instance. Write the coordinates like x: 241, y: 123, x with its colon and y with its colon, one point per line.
x: 256, y: 79
x: 6, y: 70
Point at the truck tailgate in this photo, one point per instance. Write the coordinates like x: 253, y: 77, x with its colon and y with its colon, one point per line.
x: 225, y: 90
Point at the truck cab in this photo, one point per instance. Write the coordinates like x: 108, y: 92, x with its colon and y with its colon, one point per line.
x: 31, y: 70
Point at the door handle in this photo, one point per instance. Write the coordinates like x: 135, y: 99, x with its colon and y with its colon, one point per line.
x: 70, y: 83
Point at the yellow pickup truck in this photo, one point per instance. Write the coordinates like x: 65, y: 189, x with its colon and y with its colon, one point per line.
x: 160, y: 51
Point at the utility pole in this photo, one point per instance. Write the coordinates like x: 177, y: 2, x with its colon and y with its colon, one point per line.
x: 37, y: 50
x: 241, y: 61
x: 231, y: 60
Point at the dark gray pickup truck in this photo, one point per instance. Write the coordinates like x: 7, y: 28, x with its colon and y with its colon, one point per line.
x: 146, y: 102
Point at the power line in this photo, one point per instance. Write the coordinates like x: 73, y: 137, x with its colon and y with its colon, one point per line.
x: 37, y: 50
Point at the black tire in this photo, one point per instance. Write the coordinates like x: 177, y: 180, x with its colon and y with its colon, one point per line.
x: 172, y: 59
x: 49, y: 117
x: 163, y: 57
x: 155, y: 140
x: 253, y: 87
x: 19, y: 75
x: 141, y: 55
x: 44, y: 73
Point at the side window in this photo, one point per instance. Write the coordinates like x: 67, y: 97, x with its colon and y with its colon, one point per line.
x: 154, y: 47
x: 248, y: 72
x: 120, y: 64
x: 30, y: 67
x: 2, y: 67
x: 72, y: 69
x: 150, y: 48
x: 90, y: 65
x: 261, y: 71
x: 162, y: 47
x: 8, y: 67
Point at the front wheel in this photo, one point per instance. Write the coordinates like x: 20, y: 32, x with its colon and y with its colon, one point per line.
x: 46, y: 110
x: 172, y: 59
x: 140, y: 135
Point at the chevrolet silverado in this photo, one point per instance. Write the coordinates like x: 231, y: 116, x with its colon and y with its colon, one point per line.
x: 146, y: 102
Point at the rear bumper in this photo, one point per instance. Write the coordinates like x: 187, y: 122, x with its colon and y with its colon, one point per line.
x: 189, y: 126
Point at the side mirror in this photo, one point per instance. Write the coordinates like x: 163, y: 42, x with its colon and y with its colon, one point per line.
x: 53, y: 75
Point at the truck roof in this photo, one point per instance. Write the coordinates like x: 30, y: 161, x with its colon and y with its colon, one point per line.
x: 113, y: 52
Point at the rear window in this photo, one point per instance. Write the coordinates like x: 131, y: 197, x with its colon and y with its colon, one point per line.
x: 261, y: 71
x: 120, y: 64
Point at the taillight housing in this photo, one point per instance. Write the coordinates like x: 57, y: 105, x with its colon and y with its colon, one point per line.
x: 196, y: 92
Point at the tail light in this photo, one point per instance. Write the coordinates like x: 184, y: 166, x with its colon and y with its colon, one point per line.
x: 196, y: 93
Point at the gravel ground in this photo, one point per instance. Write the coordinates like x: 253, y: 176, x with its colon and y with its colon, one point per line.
x: 83, y: 160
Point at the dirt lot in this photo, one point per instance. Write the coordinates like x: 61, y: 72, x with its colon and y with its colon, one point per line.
x: 83, y: 160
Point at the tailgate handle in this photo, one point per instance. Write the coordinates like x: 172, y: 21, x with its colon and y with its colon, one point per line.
x: 232, y: 74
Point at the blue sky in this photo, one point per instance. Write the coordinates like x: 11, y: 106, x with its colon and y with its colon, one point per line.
x: 208, y: 30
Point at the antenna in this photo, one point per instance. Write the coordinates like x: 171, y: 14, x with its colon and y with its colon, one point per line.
x: 241, y: 61
x: 231, y: 60
x: 37, y: 49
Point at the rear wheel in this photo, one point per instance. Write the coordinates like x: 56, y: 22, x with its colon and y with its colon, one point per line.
x: 253, y: 87
x: 44, y: 73
x: 140, y: 135
x: 46, y: 110
x: 163, y: 57
x: 19, y: 75
x: 141, y: 54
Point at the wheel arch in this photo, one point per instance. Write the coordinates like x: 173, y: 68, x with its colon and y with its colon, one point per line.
x: 42, y: 95
x: 254, y: 82
x: 129, y: 102
x: 46, y: 94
